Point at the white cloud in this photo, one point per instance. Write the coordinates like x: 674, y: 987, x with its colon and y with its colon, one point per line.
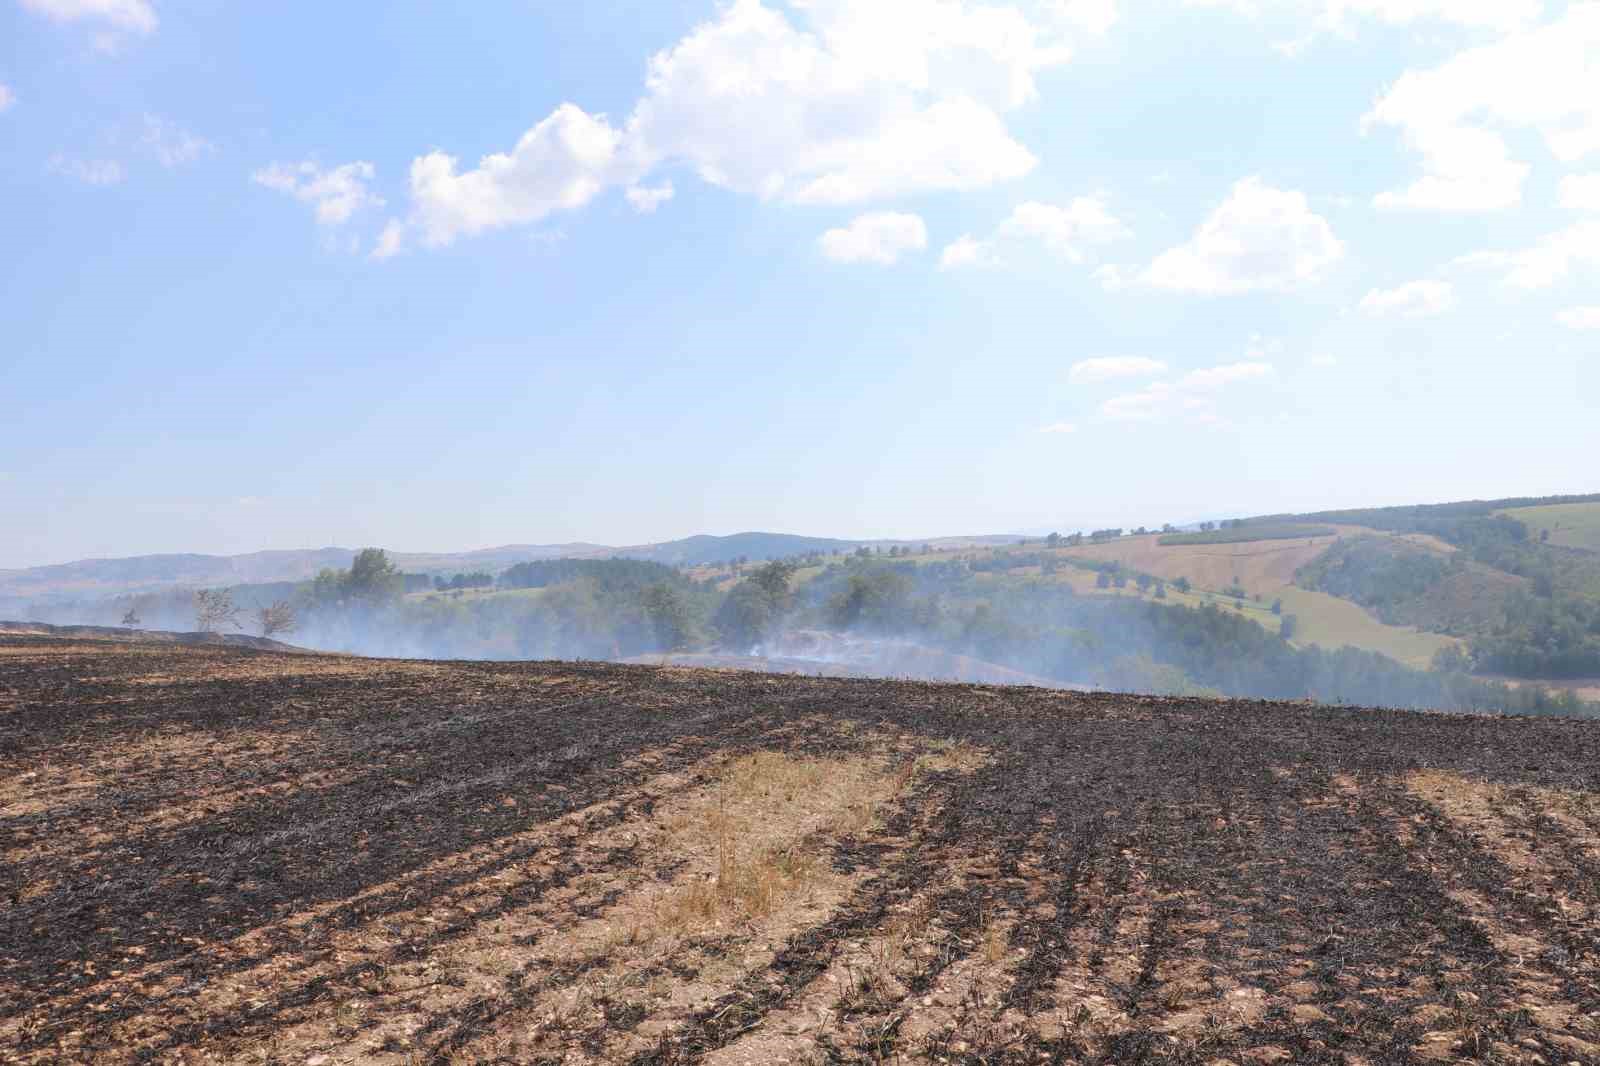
x: 561, y: 164
x: 1059, y: 427
x: 968, y: 251
x: 1260, y: 238
x: 1324, y: 360
x: 1581, y: 192
x: 1192, y: 398
x: 89, y: 171
x: 1069, y: 232
x: 814, y: 102
x: 646, y: 198
x: 1552, y: 259
x: 1416, y: 299
x: 881, y: 237
x: 1467, y: 170
x: 1580, y: 318
x: 336, y: 194
x: 135, y: 16
x: 1108, y: 368
x: 7, y: 97
x: 172, y: 144
x: 866, y: 99
x: 1544, y: 78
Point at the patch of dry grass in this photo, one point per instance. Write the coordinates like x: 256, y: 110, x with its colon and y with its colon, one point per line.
x: 766, y: 822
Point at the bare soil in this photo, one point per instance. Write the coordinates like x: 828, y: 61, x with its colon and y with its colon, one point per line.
x: 218, y: 854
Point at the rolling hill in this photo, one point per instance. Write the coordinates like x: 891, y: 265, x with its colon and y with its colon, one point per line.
x: 757, y: 547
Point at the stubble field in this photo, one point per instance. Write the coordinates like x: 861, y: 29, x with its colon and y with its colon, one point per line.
x: 233, y: 856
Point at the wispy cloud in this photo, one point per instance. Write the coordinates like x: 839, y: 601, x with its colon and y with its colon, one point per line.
x: 1108, y: 368
x: 1416, y: 299
x: 391, y: 240
x: 1190, y: 399
x: 100, y: 172
x: 170, y: 143
x: 967, y: 251
x: 1580, y: 318
x: 335, y: 195
x: 1552, y: 258
x: 133, y: 16
x: 646, y: 198
x: 1071, y: 232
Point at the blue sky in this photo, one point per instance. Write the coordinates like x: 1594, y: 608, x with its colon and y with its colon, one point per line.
x: 447, y: 276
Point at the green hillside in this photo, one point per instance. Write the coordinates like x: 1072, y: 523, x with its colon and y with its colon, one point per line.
x: 1529, y: 604
x: 1565, y: 525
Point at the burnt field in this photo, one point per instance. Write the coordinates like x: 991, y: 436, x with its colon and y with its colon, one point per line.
x: 224, y: 855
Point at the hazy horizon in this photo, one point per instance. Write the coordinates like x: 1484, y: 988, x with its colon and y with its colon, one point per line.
x: 535, y: 274
x: 1042, y: 530
x: 1065, y: 528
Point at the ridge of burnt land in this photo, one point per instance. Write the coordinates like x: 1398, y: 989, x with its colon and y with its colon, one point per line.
x: 223, y: 854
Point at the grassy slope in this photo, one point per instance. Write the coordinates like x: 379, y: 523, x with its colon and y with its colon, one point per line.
x: 1571, y: 525
x: 1333, y: 623
x: 1265, y: 569
x: 1323, y: 619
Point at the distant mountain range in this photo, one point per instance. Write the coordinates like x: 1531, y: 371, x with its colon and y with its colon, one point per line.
x: 696, y: 551
x: 97, y: 578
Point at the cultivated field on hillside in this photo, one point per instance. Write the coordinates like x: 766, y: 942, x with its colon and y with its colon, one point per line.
x: 1570, y: 525
x: 1266, y: 569
x: 233, y: 856
x: 1334, y: 623
x: 1320, y: 618
x: 1259, y: 566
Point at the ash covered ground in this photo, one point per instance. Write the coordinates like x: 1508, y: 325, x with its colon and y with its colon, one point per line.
x: 227, y: 854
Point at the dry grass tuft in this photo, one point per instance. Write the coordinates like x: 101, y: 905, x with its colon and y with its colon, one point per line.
x: 765, y: 825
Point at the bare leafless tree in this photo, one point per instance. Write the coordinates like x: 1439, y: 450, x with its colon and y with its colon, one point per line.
x: 214, y: 609
x: 277, y: 618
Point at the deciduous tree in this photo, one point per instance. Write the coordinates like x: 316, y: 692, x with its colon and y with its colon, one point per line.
x: 214, y: 609
x: 275, y: 618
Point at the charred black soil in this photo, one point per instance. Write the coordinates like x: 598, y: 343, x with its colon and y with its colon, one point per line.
x: 224, y: 854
